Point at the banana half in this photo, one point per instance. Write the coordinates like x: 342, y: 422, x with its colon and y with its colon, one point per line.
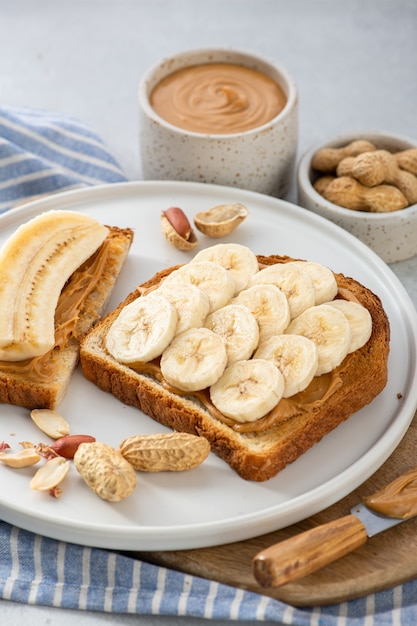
x: 35, y: 263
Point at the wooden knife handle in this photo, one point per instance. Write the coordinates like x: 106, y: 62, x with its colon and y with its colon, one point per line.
x: 307, y: 552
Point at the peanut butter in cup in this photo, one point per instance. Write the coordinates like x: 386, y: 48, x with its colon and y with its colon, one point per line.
x: 217, y: 98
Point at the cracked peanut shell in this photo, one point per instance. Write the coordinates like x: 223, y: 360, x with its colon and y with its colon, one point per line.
x: 221, y: 220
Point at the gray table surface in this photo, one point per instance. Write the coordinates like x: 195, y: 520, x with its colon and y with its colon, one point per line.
x: 355, y: 63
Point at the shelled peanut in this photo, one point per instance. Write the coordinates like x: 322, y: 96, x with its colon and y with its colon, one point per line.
x: 109, y: 472
x: 361, y: 177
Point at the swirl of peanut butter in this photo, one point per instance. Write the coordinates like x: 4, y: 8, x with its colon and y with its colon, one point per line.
x: 217, y: 98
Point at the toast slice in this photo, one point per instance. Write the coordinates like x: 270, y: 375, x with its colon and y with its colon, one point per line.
x: 255, y: 453
x: 42, y: 382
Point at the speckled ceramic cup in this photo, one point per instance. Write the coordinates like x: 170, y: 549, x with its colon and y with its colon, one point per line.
x: 393, y: 236
x: 261, y: 159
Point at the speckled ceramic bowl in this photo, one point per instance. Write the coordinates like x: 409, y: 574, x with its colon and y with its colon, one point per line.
x: 393, y: 236
x: 262, y: 159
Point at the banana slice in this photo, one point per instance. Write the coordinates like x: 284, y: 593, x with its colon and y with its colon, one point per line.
x: 297, y: 285
x: 323, y: 279
x: 269, y: 306
x: 295, y: 356
x: 359, y: 319
x: 248, y: 390
x: 194, y: 360
x: 238, y: 328
x: 237, y: 259
x: 329, y: 329
x: 216, y: 282
x: 143, y: 329
x: 191, y: 303
x: 35, y: 264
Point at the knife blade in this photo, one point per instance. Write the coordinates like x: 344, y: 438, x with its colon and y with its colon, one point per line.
x: 311, y: 550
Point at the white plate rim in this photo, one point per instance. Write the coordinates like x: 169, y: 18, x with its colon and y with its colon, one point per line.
x: 234, y: 528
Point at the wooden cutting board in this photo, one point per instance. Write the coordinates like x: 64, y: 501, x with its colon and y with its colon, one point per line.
x: 386, y: 560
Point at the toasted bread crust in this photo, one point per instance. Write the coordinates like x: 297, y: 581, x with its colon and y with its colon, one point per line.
x: 253, y: 455
x: 19, y: 389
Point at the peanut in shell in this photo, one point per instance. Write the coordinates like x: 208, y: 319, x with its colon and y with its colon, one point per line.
x: 165, y: 452
x: 105, y: 471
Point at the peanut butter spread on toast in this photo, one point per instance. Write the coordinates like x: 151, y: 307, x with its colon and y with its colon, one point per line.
x: 317, y: 392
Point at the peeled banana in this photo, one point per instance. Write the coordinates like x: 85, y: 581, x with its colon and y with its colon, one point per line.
x: 35, y: 263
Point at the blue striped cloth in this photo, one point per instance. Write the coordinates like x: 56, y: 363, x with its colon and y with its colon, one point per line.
x: 38, y: 570
x: 43, y: 152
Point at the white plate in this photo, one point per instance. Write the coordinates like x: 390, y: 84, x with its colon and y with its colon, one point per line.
x: 210, y: 505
